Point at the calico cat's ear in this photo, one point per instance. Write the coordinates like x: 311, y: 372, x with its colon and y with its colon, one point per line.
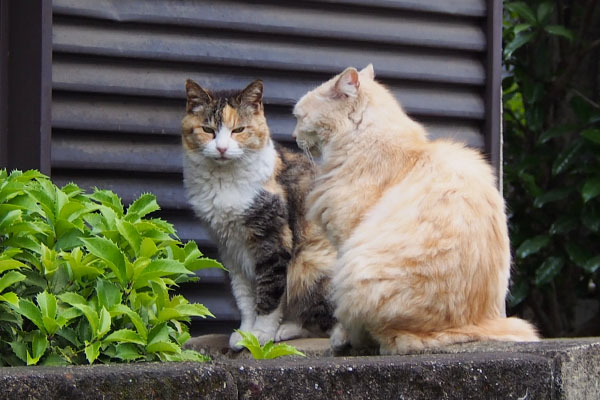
x: 347, y: 84
x: 252, y: 95
x: 367, y: 72
x: 197, y: 98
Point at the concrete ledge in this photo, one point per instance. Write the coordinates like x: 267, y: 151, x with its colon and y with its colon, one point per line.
x: 551, y: 369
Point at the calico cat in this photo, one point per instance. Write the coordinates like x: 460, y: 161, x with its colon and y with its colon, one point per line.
x: 419, y: 226
x: 250, y: 193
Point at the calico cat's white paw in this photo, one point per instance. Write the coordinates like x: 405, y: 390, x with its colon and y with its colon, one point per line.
x: 233, y: 340
x: 340, y: 338
x: 290, y: 330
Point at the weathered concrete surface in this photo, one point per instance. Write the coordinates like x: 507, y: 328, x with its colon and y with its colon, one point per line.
x: 118, y: 381
x: 551, y: 369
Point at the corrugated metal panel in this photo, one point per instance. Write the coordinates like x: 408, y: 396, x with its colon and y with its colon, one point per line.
x: 119, y: 68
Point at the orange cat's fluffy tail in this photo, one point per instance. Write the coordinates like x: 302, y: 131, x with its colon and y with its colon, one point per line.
x: 501, y: 329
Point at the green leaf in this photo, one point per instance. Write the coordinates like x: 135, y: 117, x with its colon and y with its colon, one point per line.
x: 104, y: 323
x: 124, y: 336
x: 593, y: 135
x: 108, y: 199
x: 544, y: 11
x: 522, y: 10
x: 160, y: 333
x: 564, y: 224
x: 9, y: 218
x: 280, y: 350
x: 136, y: 320
x: 159, y: 347
x: 131, y: 235
x: 39, y: 346
x: 592, y: 264
x: 551, y: 196
x: 92, y: 351
x: 560, y: 30
x: 31, y: 312
x: 521, y: 27
x: 590, y: 189
x: 127, y: 352
x: 47, y: 303
x: 50, y: 325
x: 10, y: 298
x: 20, y: 350
x: 554, y: 132
x: 72, y: 298
x: 193, y: 310
x: 108, y: 294
x: 10, y: 278
x: 147, y: 248
x: 158, y: 269
x: 566, y: 158
x: 532, y: 246
x: 144, y: 205
x: 578, y: 254
x: 250, y: 342
x: 6, y: 265
x: 204, y: 263
x: 518, y: 293
x: 548, y: 270
x: 109, y: 252
x: 520, y: 40
x: 591, y: 219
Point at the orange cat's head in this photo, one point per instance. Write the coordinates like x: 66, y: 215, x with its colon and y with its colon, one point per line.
x: 224, y: 126
x: 328, y: 109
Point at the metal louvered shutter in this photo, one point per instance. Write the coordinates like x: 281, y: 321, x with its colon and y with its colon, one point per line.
x: 119, y: 68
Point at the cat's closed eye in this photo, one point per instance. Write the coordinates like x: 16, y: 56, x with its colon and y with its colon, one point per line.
x: 238, y: 130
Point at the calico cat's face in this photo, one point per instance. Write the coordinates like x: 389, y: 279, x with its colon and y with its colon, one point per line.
x: 326, y: 110
x: 223, y: 127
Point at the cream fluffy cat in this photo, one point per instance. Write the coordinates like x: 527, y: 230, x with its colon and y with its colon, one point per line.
x: 424, y: 257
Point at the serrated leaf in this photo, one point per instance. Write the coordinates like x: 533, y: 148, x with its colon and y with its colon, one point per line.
x: 125, y: 336
x: 127, y: 352
x: 560, y: 30
x: 109, y: 252
x: 108, y: 293
x: 31, y: 312
x: 92, y: 351
x: 204, y: 263
x: 10, y: 278
x: 9, y: 218
x: 593, y: 135
x: 194, y: 310
x: 250, y: 342
x: 135, y: 319
x: 20, y: 350
x: 160, y: 347
x: 11, y: 298
x: 39, y: 346
x: 147, y: 248
x: 50, y: 325
x: 590, y: 189
x: 141, y: 207
x: 280, y: 350
x: 548, y: 270
x: 158, y: 269
x: 104, y: 323
x: 532, y: 246
x: 72, y: 298
x: 131, y: 235
x: 551, y: 196
x: 47, y: 303
x: 108, y: 199
x: 160, y: 333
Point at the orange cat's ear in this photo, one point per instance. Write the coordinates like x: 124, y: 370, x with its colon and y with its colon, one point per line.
x: 197, y: 98
x: 368, y: 72
x: 252, y: 95
x: 348, y: 83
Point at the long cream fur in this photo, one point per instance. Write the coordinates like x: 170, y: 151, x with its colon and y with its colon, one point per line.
x: 424, y: 257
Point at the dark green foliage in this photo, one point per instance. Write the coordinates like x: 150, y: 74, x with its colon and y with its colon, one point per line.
x: 83, y: 280
x: 552, y: 159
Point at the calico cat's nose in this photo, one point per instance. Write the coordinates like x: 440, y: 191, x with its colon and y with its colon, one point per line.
x: 222, y: 150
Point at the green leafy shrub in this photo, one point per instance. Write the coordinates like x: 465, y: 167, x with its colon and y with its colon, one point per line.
x: 83, y: 280
x: 269, y: 350
x: 552, y: 160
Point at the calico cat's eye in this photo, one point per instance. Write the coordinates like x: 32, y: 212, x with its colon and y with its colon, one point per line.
x: 238, y: 130
x: 208, y: 129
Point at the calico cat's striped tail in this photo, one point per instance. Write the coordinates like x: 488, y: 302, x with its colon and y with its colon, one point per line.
x: 501, y: 329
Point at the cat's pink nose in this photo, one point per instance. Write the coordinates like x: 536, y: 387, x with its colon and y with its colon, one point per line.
x: 222, y: 150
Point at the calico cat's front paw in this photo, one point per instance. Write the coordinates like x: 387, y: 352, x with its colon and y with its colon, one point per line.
x: 340, y: 338
x: 290, y: 330
x: 233, y: 341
